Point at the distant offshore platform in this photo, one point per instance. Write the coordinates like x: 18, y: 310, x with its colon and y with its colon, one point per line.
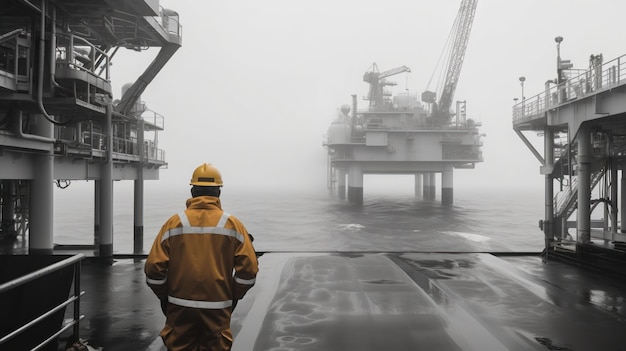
x: 401, y: 135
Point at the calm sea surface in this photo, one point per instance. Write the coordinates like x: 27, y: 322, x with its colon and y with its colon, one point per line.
x: 479, y: 220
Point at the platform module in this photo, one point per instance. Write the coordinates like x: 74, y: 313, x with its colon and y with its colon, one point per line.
x: 581, y: 116
x: 401, y: 134
x: 59, y: 119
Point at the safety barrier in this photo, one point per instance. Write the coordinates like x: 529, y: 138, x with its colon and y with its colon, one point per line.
x: 592, y: 81
x: 32, y: 304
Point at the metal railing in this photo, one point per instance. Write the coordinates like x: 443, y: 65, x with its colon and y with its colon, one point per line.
x: 75, y: 299
x: 97, y: 141
x: 82, y: 56
x: 564, y: 202
x: 153, y: 118
x: 589, y: 82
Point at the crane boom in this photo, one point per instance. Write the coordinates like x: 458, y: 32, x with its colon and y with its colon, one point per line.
x: 393, y: 72
x: 377, y: 82
x: 463, y: 25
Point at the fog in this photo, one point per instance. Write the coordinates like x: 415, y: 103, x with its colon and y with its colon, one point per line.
x: 256, y: 84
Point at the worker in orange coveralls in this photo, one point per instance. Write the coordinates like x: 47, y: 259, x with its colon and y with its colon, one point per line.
x: 201, y: 263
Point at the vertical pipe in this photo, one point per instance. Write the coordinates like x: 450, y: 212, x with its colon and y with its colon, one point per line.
x: 447, y: 185
x: 433, y: 185
x: 341, y: 183
x: 139, y: 182
x: 583, y: 224
x: 355, y: 185
x: 418, y: 185
x: 41, y: 193
x: 105, y: 248
x: 548, y: 223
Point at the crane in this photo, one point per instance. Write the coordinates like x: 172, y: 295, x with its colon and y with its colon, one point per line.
x: 460, y: 36
x: 377, y: 83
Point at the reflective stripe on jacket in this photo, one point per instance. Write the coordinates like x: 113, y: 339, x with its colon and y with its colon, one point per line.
x: 193, y: 257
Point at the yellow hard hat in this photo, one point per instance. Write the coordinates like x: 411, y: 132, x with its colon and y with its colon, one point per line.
x: 206, y: 175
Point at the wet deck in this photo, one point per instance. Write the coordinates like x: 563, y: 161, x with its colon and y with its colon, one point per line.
x: 411, y: 301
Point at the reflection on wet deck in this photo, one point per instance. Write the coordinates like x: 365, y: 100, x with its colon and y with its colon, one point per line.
x: 399, y: 301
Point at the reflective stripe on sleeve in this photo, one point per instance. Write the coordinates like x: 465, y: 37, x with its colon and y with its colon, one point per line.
x: 245, y: 281
x: 156, y: 281
x: 202, y: 230
x: 211, y: 305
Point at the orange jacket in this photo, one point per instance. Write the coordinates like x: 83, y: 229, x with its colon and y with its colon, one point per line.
x: 193, y: 257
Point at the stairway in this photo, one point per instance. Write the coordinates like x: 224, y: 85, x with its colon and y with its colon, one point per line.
x: 566, y: 203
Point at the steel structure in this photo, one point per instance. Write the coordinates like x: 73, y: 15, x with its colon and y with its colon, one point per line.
x: 581, y: 116
x: 59, y: 120
x: 377, y: 82
x: 458, y: 45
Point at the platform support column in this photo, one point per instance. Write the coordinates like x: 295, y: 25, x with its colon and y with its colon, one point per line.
x: 139, y: 192
x: 426, y: 187
x: 138, y: 215
x: 355, y: 185
x: 622, y: 206
x: 341, y: 183
x: 96, y: 213
x: 583, y: 225
x: 41, y: 196
x: 105, y: 249
x: 418, y: 185
x: 447, y: 185
x: 432, y: 189
x: 548, y: 222
x: 614, y: 191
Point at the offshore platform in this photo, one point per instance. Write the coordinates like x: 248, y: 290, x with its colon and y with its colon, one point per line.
x: 402, y: 135
x: 59, y: 120
x: 581, y: 115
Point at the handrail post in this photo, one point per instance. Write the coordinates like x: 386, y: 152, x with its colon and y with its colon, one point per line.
x: 77, y: 269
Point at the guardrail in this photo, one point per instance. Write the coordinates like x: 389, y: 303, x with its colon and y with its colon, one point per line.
x: 75, y: 299
x: 589, y: 82
x: 153, y: 118
x: 82, y: 56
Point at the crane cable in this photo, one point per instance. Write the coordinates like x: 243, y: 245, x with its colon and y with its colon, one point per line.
x: 446, y: 51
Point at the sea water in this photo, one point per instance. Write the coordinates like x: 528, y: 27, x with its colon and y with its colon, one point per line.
x: 480, y: 219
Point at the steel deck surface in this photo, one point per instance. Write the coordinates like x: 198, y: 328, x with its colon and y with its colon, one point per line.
x: 396, y: 301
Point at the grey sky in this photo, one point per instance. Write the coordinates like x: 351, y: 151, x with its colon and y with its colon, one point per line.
x: 257, y: 83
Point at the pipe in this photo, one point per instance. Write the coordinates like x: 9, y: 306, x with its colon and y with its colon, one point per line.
x: 30, y: 136
x: 31, y: 5
x: 42, y: 46
x: 53, y: 45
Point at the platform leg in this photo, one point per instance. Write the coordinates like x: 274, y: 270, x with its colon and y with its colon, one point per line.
x: 105, y: 249
x: 432, y: 186
x: 583, y: 224
x: 341, y: 184
x: 355, y: 185
x: 447, y: 185
x: 41, y: 195
x: 418, y: 185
